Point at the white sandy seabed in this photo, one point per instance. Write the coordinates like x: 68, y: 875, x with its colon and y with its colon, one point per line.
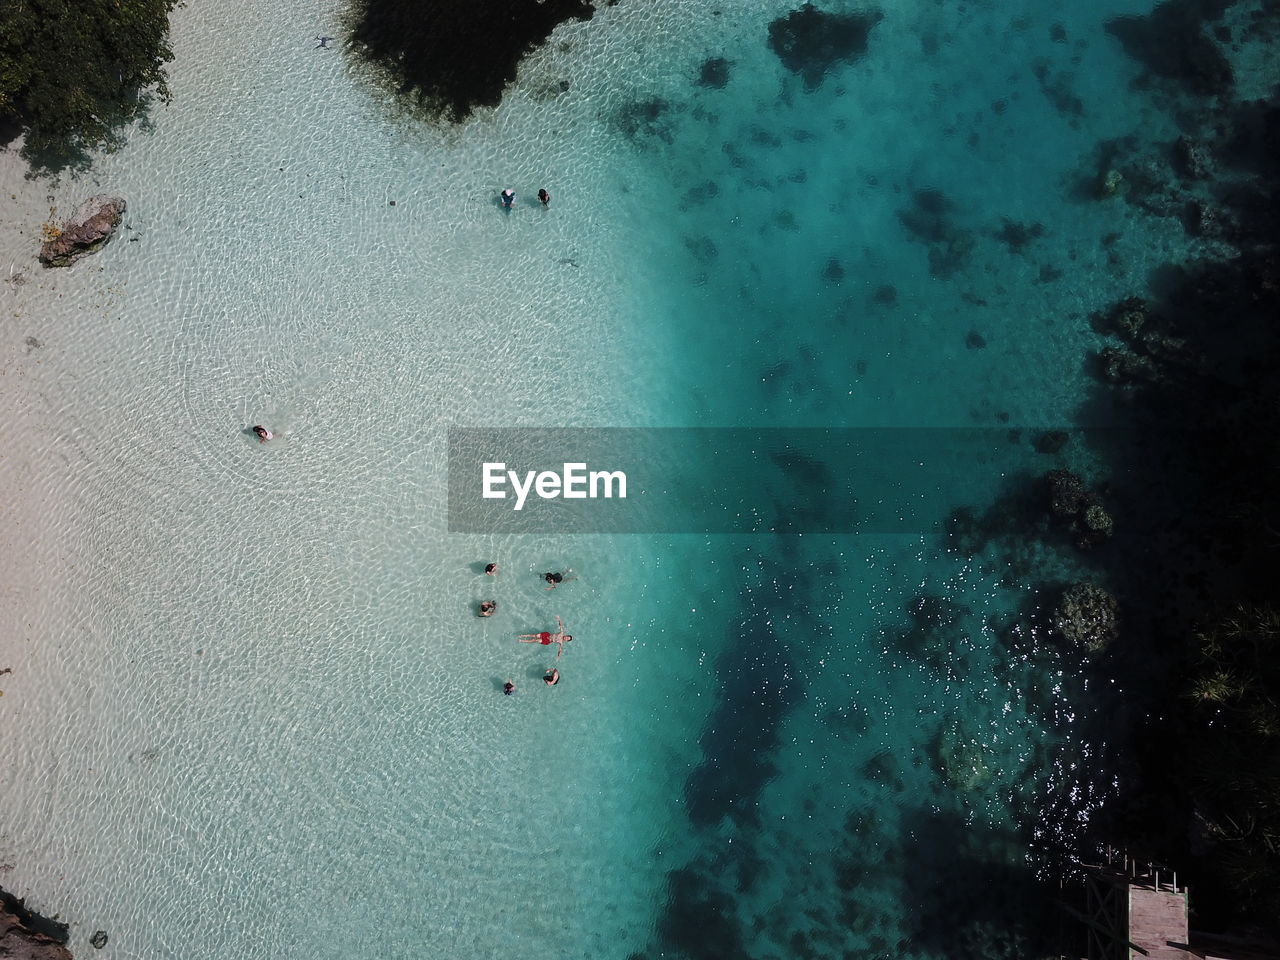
x: 251, y: 713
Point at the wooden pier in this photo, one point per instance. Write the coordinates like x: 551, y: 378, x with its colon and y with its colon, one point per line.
x: 1133, y: 909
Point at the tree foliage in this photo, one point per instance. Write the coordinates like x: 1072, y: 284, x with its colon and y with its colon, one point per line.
x: 74, y: 72
x: 1234, y: 750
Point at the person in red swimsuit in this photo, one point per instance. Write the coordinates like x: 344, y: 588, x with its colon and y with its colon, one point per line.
x: 546, y: 637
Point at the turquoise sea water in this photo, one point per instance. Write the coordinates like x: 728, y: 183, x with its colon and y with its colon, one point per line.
x: 252, y: 712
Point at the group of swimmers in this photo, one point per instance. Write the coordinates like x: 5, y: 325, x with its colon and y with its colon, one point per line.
x: 489, y: 607
x: 509, y: 198
x: 545, y: 637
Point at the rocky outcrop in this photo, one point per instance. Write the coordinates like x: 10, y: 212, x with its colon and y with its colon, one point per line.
x: 27, y: 936
x: 92, y: 225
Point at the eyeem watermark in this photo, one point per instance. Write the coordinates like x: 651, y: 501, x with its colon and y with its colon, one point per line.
x: 575, y: 482
x: 706, y: 480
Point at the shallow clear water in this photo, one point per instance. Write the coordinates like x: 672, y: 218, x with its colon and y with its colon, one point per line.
x: 252, y: 713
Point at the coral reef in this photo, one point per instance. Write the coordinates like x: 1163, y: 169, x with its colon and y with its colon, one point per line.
x: 1077, y: 508
x: 1087, y: 616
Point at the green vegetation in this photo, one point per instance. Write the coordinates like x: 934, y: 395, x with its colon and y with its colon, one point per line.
x: 1234, y: 753
x: 74, y: 72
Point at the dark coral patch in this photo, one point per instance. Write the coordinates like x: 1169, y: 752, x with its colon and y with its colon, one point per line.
x: 929, y: 221
x: 1171, y: 43
x: 644, y: 119
x: 1016, y: 236
x: 810, y: 41
x: 714, y: 73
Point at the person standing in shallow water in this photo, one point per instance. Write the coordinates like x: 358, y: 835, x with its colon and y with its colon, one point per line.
x: 263, y: 434
x: 544, y: 198
x: 509, y: 688
x: 508, y: 198
x: 491, y: 569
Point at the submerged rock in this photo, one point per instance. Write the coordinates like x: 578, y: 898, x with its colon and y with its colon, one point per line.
x: 809, y: 41
x: 28, y: 936
x: 960, y: 757
x: 91, y: 226
x: 1111, y: 182
x: 1087, y: 616
x: 98, y: 940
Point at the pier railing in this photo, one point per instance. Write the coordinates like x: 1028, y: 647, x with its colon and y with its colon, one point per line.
x: 1146, y: 873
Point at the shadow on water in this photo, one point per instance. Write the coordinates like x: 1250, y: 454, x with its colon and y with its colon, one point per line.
x: 973, y: 893
x: 453, y: 57
x: 758, y: 688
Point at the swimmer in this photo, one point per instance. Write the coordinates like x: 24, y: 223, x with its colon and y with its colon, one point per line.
x: 509, y: 688
x: 487, y: 607
x: 552, y: 677
x: 263, y: 434
x: 546, y: 638
x: 491, y: 569
x: 555, y: 579
x: 508, y: 198
x: 544, y: 198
